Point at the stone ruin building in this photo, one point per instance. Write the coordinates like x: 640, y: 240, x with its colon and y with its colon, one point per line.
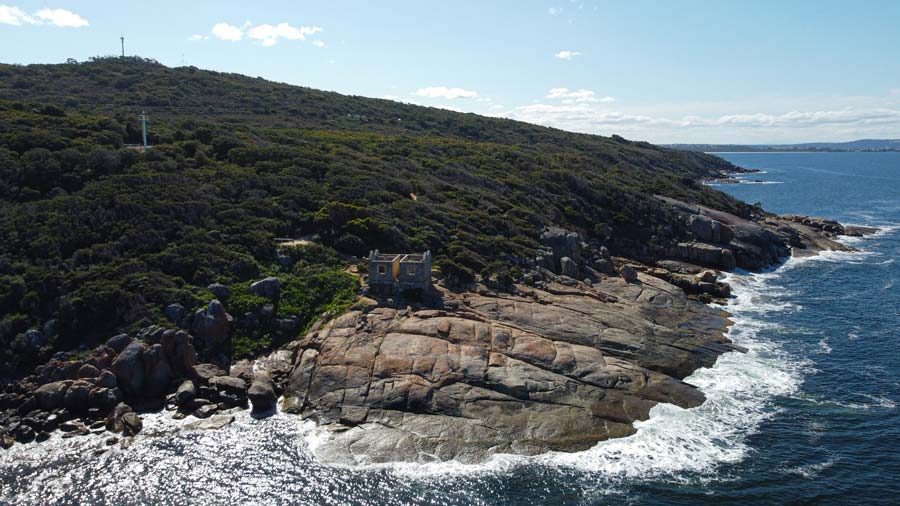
x: 399, y: 274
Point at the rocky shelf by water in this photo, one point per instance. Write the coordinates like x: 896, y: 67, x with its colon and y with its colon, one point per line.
x: 585, y: 344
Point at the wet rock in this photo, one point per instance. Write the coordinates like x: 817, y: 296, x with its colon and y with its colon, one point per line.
x: 186, y: 392
x: 42, y: 436
x: 205, y: 411
x: 214, y: 423
x: 262, y: 393
x: 269, y: 287
x: 114, y: 421
x: 105, y: 398
x: 24, y: 434
x: 131, y: 424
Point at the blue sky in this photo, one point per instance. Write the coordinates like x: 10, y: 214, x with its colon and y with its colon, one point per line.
x: 663, y: 71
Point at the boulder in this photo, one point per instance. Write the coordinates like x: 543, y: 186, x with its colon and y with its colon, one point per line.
x: 105, y: 398
x: 129, y: 368
x: 186, y: 392
x: 78, y: 396
x: 212, y: 326
x: 561, y: 243
x: 24, y: 434
x: 219, y: 290
x: 568, y: 267
x: 51, y: 395
x: 174, y: 313
x: 628, y: 273
x: 707, y: 276
x: 229, y: 384
x: 269, y: 287
x: 131, y: 423
x: 213, y: 423
x: 119, y: 342
x: 87, y: 371
x: 157, y: 372
x: 106, y: 379
x: 262, y: 393
x: 205, y: 411
x: 205, y: 372
x: 35, y: 338
x: 179, y: 351
x: 604, y: 266
x: 707, y: 254
x: 705, y: 228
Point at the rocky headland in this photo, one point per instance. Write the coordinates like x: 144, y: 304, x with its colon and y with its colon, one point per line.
x: 572, y: 353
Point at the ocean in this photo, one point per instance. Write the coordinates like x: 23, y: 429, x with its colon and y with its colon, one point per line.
x: 808, y: 416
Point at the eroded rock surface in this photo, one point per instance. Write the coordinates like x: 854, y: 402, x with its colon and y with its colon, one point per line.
x: 559, y: 369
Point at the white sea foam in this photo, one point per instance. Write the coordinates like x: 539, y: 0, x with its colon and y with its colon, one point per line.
x: 810, y: 471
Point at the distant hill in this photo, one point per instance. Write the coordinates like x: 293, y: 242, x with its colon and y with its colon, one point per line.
x: 859, y: 145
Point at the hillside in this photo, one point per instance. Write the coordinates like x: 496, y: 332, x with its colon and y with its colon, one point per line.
x: 99, y: 237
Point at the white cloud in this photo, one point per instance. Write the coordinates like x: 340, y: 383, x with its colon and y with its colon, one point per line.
x: 224, y: 31
x: 576, y: 96
x: 847, y: 123
x: 554, y: 11
x: 445, y: 92
x: 318, y: 43
x: 567, y: 55
x: 269, y: 34
x: 15, y: 16
x: 197, y: 36
x: 62, y: 18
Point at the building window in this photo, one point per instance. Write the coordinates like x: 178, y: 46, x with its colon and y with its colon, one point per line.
x: 411, y: 270
x: 382, y: 269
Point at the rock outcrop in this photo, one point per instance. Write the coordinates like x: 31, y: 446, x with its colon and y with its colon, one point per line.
x: 560, y: 369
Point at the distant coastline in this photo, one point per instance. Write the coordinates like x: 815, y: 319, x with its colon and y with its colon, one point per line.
x: 862, y: 145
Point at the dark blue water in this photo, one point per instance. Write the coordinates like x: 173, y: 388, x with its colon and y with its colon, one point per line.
x: 808, y: 416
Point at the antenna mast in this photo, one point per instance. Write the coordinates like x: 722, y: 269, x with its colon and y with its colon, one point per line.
x: 123, y: 46
x: 144, y: 125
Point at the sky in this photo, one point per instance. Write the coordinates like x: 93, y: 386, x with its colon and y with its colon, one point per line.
x: 662, y: 71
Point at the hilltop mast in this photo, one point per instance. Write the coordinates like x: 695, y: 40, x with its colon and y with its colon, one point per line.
x: 123, y: 46
x: 144, y: 125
